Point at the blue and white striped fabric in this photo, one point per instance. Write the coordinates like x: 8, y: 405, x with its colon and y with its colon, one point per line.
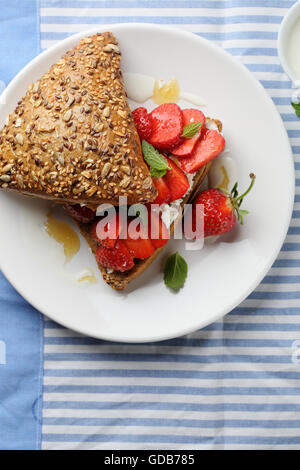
x: 235, y: 384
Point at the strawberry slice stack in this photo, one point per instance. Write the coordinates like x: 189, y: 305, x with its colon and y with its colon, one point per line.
x: 165, y: 131
x: 120, y: 242
x: 172, y: 186
x: 208, y: 147
x: 190, y: 116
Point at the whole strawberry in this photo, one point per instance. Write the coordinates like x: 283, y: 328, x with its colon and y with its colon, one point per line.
x: 143, y: 123
x: 117, y: 258
x: 221, y: 209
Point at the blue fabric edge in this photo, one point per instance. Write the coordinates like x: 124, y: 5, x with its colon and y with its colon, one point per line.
x: 42, y: 325
x: 40, y: 386
x: 35, y: 434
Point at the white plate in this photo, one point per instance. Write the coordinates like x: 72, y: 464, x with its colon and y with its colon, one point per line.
x: 221, y: 275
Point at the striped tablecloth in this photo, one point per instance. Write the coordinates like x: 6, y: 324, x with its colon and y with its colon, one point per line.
x: 235, y: 384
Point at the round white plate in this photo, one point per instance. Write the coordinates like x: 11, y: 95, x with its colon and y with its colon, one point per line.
x: 222, y: 274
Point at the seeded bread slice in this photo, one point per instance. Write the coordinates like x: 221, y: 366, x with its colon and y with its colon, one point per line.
x: 72, y: 137
x: 118, y: 280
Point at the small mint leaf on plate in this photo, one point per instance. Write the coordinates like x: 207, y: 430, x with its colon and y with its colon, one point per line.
x: 175, y: 271
x: 296, y: 107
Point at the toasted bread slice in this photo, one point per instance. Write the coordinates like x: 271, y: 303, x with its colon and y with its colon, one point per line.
x: 118, y: 280
x: 72, y: 137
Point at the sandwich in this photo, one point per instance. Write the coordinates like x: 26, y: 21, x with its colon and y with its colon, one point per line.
x: 136, y: 256
x: 71, y: 138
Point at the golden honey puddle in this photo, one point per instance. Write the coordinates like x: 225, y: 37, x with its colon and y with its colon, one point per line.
x: 88, y: 277
x: 169, y: 92
x: 64, y: 234
x: 225, y: 181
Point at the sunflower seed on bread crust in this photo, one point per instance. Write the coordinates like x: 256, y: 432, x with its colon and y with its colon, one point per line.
x: 76, y: 118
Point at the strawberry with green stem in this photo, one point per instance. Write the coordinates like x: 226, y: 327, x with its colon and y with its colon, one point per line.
x: 236, y: 200
x: 221, y: 210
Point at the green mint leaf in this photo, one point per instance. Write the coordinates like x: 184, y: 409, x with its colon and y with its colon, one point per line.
x: 158, y: 164
x: 175, y: 271
x: 157, y: 173
x: 191, y: 129
x: 296, y: 107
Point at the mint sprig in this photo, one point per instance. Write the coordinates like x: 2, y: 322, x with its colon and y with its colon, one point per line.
x: 296, y: 107
x: 175, y: 271
x: 158, y: 164
x: 191, y: 129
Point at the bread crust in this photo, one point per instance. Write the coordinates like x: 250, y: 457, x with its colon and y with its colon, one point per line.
x: 72, y: 137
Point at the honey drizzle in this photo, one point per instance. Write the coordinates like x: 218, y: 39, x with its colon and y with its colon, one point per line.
x: 63, y: 233
x: 88, y: 278
x: 225, y: 181
x: 169, y: 92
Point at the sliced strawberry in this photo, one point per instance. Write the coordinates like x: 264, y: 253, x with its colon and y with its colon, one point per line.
x: 211, y: 144
x: 186, y: 148
x: 176, y: 181
x: 80, y: 213
x: 164, y: 195
x: 117, y: 258
x: 167, y: 124
x: 158, y: 231
x: 142, y: 247
x: 142, y: 122
x: 108, y: 234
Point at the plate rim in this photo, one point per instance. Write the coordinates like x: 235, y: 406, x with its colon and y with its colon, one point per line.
x: 256, y: 282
